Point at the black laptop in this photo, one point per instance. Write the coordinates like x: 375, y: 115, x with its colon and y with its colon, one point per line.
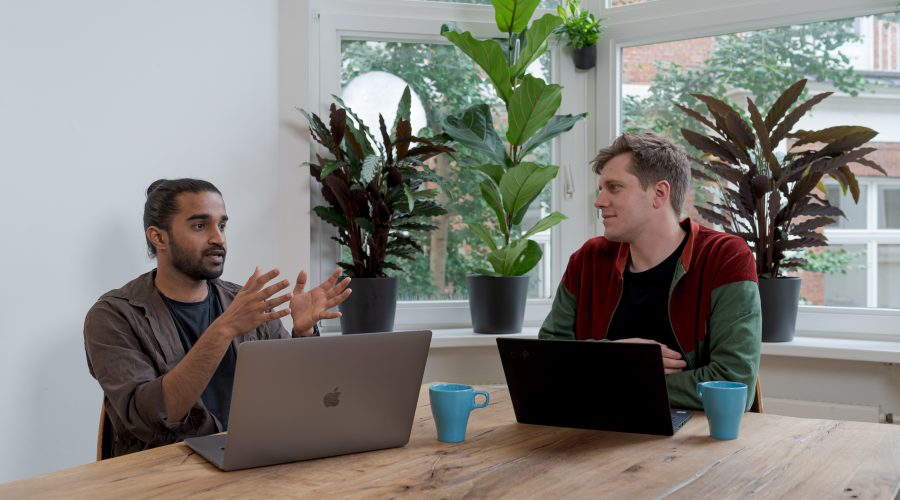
x: 611, y: 386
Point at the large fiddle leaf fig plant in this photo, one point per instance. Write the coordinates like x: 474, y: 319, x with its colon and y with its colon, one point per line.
x: 376, y: 190
x: 512, y: 183
x: 776, y: 202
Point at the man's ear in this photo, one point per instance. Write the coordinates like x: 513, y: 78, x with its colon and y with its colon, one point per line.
x: 157, y: 237
x: 661, y: 192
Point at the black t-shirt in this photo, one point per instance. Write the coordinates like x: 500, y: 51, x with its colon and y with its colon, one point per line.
x: 643, y: 310
x: 191, y: 320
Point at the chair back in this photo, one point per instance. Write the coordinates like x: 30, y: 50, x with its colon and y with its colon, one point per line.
x: 757, y: 406
x: 104, y: 435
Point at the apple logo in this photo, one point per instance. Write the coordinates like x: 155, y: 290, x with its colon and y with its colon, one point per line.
x: 332, y: 398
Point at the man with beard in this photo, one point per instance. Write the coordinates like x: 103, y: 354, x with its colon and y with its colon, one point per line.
x: 652, y: 278
x: 163, y: 347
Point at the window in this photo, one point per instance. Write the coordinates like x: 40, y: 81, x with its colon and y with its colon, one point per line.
x: 375, y: 57
x: 443, y: 81
x: 659, y: 55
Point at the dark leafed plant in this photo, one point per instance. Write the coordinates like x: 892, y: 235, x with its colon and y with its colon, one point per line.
x: 511, y: 183
x: 773, y: 202
x: 375, y: 189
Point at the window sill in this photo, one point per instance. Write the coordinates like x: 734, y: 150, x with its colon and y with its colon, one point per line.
x: 877, y: 351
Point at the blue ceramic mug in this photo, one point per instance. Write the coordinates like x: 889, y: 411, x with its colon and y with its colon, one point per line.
x: 450, y: 406
x: 724, y: 404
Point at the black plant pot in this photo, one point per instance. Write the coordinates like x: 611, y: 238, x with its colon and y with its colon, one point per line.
x: 497, y: 305
x: 779, y: 298
x: 586, y: 57
x: 371, y: 306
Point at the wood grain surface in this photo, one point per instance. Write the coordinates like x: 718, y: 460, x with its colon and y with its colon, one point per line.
x: 774, y: 457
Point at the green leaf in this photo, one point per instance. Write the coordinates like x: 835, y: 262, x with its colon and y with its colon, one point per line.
x: 482, y: 232
x: 544, y: 224
x: 535, y: 42
x: 410, y: 197
x: 495, y: 172
x: 532, y: 105
x: 331, y: 216
x: 329, y: 167
x: 512, y: 16
x: 492, y: 197
x: 527, y: 259
x: 474, y: 128
x: 485, y: 272
x: 487, y: 54
x: 516, y: 259
x: 369, y: 168
x: 365, y: 224
x: 403, y: 108
x: 556, y: 126
x: 522, y: 184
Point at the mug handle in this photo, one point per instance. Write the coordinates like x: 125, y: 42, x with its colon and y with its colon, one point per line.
x: 700, y: 390
x: 487, y: 399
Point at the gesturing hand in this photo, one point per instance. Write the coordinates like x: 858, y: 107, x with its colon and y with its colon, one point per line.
x: 254, y: 304
x: 310, y: 307
x: 671, y: 359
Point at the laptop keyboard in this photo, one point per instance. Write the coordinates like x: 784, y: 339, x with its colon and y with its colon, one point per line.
x: 679, y: 417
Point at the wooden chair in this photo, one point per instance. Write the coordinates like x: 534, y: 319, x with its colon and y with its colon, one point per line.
x: 104, y: 435
x: 757, y: 406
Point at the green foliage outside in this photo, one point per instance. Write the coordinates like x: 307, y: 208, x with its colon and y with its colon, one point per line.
x: 832, y: 260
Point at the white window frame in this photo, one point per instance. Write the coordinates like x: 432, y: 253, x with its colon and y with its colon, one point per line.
x: 871, y: 236
x: 668, y: 20
x: 420, y: 21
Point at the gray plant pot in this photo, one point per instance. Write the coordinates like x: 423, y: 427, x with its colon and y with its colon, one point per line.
x: 497, y: 305
x: 779, y: 298
x: 371, y: 306
x: 586, y: 57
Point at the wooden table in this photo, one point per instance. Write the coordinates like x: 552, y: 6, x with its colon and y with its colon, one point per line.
x: 774, y: 457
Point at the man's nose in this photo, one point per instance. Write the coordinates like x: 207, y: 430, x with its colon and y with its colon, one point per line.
x: 600, y: 201
x: 217, y: 236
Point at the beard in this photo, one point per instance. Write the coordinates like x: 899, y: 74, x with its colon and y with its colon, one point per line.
x: 197, y: 267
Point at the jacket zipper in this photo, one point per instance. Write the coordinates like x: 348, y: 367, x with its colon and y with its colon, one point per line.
x: 669, y: 316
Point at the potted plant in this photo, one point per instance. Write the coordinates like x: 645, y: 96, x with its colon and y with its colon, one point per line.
x: 378, y: 201
x: 511, y: 182
x: 775, y: 202
x: 581, y: 29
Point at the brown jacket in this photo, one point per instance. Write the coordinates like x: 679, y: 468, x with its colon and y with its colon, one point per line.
x: 131, y: 342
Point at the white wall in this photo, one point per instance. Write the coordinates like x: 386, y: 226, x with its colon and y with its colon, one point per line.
x: 98, y: 98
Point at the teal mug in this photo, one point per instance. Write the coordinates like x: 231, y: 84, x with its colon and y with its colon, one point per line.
x: 450, y: 406
x: 724, y: 404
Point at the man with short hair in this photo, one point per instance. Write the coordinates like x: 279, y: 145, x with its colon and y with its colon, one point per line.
x: 164, y: 346
x: 654, y: 279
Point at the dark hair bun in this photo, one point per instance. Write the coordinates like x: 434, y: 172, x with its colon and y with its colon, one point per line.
x: 155, y: 185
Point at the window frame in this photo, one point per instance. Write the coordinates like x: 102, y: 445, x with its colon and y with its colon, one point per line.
x: 420, y: 21
x: 669, y: 20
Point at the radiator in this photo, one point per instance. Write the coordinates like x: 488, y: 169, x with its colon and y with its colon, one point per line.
x: 819, y: 409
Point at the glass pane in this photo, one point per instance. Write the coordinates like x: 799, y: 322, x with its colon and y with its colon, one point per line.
x: 835, y: 276
x: 888, y: 207
x: 856, y: 58
x: 855, y: 212
x: 444, y: 81
x: 889, y: 276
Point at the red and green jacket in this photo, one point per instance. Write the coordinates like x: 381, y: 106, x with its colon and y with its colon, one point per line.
x: 713, y: 307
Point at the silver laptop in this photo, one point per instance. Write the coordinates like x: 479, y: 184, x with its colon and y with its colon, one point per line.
x: 305, y: 398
